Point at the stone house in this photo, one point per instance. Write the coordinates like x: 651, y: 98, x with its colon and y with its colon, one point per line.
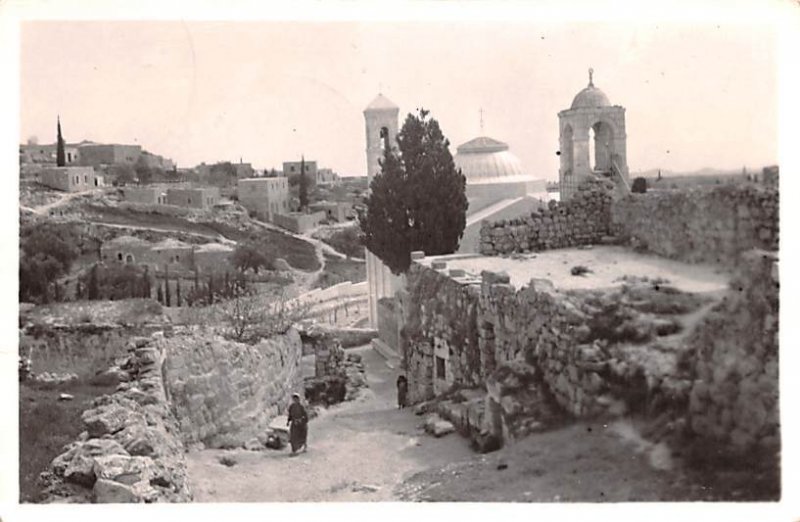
x: 97, y: 154
x: 339, y: 211
x: 151, y: 195
x: 264, y: 197
x: 299, y: 222
x: 199, y: 198
x: 35, y: 153
x: 70, y: 179
x: 126, y: 249
x: 327, y: 177
x: 292, y: 168
x: 176, y: 255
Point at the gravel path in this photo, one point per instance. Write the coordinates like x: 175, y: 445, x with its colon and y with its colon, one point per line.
x: 358, y: 451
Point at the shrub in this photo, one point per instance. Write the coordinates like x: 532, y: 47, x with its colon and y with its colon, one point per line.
x: 347, y: 241
x: 639, y: 185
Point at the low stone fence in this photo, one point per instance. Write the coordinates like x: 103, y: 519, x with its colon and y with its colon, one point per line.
x: 131, y: 450
x: 712, y: 225
x: 223, y: 392
x: 582, y: 220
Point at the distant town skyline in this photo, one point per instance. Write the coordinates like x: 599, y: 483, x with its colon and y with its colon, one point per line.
x: 699, y: 96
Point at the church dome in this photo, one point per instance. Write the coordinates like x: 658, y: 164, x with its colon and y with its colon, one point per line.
x: 590, y: 97
x: 485, y: 159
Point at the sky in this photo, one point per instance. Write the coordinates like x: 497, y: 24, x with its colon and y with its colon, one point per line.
x: 266, y: 92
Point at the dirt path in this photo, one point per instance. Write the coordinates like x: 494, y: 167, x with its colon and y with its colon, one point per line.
x: 63, y: 199
x: 367, y: 442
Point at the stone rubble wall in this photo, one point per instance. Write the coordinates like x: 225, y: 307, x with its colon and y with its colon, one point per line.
x: 538, y: 351
x: 582, y: 220
x: 131, y: 450
x: 79, y: 349
x: 705, y: 224
x: 734, y: 395
x: 224, y: 392
x: 712, y: 225
x: 439, y: 314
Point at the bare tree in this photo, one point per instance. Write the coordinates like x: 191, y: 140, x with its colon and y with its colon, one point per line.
x: 250, y: 317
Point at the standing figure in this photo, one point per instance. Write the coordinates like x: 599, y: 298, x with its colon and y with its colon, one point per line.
x: 298, y: 424
x: 402, y: 391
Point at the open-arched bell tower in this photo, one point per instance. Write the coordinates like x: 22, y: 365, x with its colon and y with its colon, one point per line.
x: 592, y: 141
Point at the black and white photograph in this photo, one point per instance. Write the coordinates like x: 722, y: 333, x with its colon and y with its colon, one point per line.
x: 513, y: 254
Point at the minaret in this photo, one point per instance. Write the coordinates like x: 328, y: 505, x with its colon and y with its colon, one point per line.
x: 380, y: 117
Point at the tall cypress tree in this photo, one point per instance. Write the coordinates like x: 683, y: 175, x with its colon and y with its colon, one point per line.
x: 61, y: 159
x: 178, y: 291
x: 418, y: 200
x: 303, y: 187
x: 167, y: 295
x: 94, y: 287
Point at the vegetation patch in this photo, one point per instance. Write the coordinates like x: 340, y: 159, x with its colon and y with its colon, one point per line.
x: 338, y: 270
x: 346, y: 241
x: 46, y: 425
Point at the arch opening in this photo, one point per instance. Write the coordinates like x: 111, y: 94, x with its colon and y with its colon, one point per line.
x: 602, y: 141
x: 567, y: 150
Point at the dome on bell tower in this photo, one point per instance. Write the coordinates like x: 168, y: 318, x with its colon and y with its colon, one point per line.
x: 590, y: 97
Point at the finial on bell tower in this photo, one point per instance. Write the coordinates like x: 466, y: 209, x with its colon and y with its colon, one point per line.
x: 591, y: 72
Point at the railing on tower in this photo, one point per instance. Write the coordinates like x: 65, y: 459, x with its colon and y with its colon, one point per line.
x: 618, y: 173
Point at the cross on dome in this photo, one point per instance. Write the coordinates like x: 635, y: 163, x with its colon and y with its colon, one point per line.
x: 591, y: 72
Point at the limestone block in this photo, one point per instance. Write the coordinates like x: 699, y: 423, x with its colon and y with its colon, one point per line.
x: 109, y: 419
x: 438, y: 427
x: 112, y: 492
x: 80, y: 470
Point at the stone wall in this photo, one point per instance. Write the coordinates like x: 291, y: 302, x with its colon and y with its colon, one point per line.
x: 582, y: 220
x: 82, y: 349
x: 388, y: 328
x: 701, y: 225
x: 440, y: 322
x: 131, y: 450
x: 734, y: 395
x: 637, y: 349
x: 223, y: 392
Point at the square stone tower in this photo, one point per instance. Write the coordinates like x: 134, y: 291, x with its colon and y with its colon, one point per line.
x: 381, y: 121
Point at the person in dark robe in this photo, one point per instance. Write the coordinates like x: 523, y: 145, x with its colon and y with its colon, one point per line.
x: 402, y: 391
x: 298, y: 424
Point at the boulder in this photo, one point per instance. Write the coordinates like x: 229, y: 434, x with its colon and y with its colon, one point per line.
x: 125, y: 469
x: 89, y: 448
x: 108, y: 419
x: 110, y: 377
x: 254, y: 444
x: 438, y: 427
x: 143, y: 440
x: 111, y: 492
x: 80, y: 470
